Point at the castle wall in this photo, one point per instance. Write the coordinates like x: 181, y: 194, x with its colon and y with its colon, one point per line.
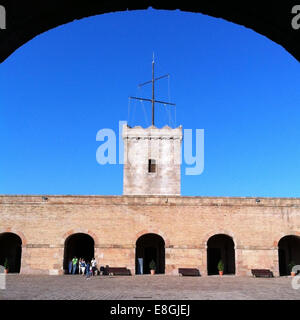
x: 116, y: 222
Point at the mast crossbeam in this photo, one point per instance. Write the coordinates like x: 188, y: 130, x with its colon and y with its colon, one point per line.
x: 153, y: 98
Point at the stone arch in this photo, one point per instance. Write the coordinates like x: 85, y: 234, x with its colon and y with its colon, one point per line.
x: 17, y: 232
x: 79, y: 245
x: 288, y: 253
x: 31, y: 20
x: 220, y: 247
x: 79, y: 230
x: 149, y: 247
x: 219, y: 231
x: 284, y: 234
x: 11, y: 251
x: 155, y: 231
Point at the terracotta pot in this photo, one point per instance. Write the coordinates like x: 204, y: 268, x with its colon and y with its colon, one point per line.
x: 5, y: 270
x: 152, y: 272
x: 220, y: 273
x: 293, y: 274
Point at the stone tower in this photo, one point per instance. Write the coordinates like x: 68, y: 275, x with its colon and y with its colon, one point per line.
x: 152, y: 160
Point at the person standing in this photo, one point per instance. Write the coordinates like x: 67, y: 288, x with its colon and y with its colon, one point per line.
x: 87, y: 268
x: 70, y: 266
x: 83, y: 266
x: 94, y: 266
x: 74, y: 262
x: 79, y: 266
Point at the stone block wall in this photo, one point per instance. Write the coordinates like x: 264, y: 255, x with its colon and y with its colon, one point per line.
x: 161, y: 145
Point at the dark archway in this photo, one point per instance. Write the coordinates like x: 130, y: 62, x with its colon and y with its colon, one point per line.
x: 27, y: 19
x: 220, y: 247
x: 11, y: 248
x: 80, y: 245
x: 288, y: 252
x: 149, y: 247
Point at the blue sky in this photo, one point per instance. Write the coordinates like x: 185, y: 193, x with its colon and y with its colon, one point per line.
x: 63, y: 86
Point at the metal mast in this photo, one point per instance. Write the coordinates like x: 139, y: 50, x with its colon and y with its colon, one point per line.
x: 153, y: 90
x: 153, y: 96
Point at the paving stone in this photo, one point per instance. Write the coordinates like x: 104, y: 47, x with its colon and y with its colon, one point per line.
x: 162, y: 287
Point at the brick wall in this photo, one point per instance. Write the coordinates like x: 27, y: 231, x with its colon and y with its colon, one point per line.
x: 116, y: 222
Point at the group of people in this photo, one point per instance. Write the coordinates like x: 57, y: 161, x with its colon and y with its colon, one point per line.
x: 88, y: 268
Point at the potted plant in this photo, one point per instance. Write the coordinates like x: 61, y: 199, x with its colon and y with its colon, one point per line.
x: 221, y: 267
x: 152, y: 267
x: 290, y: 267
x: 6, y: 266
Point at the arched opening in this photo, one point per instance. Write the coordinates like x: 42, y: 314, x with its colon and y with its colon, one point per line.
x: 79, y: 245
x: 220, y: 247
x: 29, y: 20
x: 149, y: 247
x: 11, y: 249
x: 288, y: 253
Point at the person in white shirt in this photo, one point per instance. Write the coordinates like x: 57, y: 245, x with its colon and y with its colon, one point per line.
x: 83, y: 266
x: 94, y: 266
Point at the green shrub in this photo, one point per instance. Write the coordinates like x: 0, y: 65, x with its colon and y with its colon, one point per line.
x: 291, y: 266
x: 6, y: 263
x: 152, y: 265
x: 221, y: 266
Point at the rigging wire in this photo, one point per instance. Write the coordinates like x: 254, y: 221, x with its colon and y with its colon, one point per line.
x: 169, y: 97
x: 168, y: 114
x: 168, y: 108
x: 145, y: 113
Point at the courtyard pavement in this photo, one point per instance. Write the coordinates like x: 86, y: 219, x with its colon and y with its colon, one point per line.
x: 146, y: 287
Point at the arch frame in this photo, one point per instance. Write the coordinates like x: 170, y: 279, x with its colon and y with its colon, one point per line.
x: 219, y: 232
x: 284, y: 252
x: 160, y: 251
x: 16, y: 232
x: 67, y: 246
x: 283, y: 235
x: 152, y: 231
x: 226, y: 234
x: 20, y: 238
x: 33, y: 20
x: 71, y: 232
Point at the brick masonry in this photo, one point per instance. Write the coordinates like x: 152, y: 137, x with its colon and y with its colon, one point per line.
x: 116, y: 222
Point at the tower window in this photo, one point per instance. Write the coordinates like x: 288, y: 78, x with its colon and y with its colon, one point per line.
x: 151, y: 165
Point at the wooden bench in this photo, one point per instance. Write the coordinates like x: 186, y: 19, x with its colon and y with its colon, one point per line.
x: 189, y: 272
x: 118, y: 271
x: 262, y: 273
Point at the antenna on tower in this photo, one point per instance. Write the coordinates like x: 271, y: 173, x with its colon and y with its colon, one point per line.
x: 153, y: 98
